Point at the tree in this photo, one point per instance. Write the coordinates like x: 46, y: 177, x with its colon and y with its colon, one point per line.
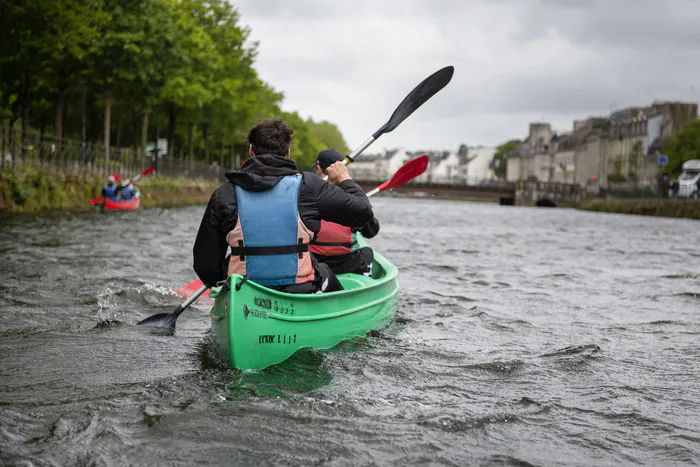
x: 305, y: 146
x: 685, y: 145
x: 329, y: 135
x: 138, y: 62
x: 499, y: 158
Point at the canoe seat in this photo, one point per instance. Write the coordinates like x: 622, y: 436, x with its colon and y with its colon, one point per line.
x: 354, y: 281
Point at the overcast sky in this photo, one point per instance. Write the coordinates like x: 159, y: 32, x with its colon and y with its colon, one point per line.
x: 516, y: 61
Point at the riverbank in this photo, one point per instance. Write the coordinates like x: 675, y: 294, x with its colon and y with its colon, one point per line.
x: 31, y: 190
x: 689, y: 209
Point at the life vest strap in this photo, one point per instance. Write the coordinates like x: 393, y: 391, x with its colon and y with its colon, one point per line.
x: 349, y: 245
x: 242, y: 251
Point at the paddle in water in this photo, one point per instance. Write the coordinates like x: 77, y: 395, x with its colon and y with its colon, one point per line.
x: 166, y: 321
x: 148, y: 171
x: 420, y: 94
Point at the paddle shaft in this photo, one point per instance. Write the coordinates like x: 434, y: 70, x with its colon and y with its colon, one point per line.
x: 190, y: 300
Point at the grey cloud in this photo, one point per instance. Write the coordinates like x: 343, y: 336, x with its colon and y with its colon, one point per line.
x: 352, y: 62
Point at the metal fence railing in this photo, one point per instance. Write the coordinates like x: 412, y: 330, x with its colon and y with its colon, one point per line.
x: 42, y: 150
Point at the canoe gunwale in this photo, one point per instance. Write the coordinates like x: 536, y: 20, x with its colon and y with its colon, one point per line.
x: 391, y: 275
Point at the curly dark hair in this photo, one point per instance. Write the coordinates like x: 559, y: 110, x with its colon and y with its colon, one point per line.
x: 271, y: 136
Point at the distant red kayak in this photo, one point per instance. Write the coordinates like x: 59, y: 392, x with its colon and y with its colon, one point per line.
x: 122, y: 205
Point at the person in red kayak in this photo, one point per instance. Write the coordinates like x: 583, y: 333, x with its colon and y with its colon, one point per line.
x: 335, y: 244
x: 111, y: 189
x: 268, y: 213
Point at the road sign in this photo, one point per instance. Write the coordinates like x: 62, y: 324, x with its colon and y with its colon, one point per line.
x: 663, y: 159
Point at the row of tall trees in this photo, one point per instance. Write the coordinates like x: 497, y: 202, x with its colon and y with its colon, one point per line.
x: 124, y: 72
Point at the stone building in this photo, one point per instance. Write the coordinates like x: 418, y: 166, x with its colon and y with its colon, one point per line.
x: 622, y: 148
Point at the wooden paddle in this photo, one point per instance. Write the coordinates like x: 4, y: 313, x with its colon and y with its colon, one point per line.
x: 420, y: 94
x: 166, y: 321
x: 148, y: 171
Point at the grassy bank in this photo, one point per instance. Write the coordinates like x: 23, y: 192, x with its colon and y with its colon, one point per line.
x: 689, y: 209
x: 31, y: 190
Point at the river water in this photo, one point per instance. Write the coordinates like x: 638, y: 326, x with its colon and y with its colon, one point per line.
x: 524, y: 336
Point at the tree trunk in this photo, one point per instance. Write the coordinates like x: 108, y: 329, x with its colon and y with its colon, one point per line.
x: 190, y: 137
x: 108, y: 121
x: 171, y: 129
x: 25, y: 112
x: 144, y: 132
x: 118, y: 142
x: 25, y: 128
x: 5, y: 135
x: 13, y: 139
x: 42, y: 130
x: 221, y: 154
x: 60, y: 102
x: 205, y: 140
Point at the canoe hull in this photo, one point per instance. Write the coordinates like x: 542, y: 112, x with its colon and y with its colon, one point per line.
x: 256, y: 327
x: 129, y: 205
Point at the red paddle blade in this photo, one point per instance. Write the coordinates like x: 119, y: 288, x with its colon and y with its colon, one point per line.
x: 94, y: 201
x: 148, y: 171
x: 407, y: 172
x: 190, y: 289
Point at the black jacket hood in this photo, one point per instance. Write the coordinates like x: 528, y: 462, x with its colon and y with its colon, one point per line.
x: 261, y: 173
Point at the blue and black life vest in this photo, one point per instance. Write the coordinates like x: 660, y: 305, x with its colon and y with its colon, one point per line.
x: 270, y: 243
x: 127, y: 193
x: 111, y: 192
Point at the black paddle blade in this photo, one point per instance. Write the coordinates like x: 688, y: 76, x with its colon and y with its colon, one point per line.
x: 424, y: 91
x: 162, y: 321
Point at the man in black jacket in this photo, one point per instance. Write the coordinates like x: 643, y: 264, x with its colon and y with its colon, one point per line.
x: 264, y: 187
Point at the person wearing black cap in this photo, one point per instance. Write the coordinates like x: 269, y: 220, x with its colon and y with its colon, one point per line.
x: 335, y: 244
x: 268, y: 213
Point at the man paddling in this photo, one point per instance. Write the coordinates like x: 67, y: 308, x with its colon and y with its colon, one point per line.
x: 335, y: 244
x: 111, y: 190
x: 268, y: 213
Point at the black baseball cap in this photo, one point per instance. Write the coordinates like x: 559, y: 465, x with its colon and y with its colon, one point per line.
x: 327, y: 157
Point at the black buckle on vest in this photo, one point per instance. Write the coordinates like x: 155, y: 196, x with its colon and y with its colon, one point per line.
x: 242, y: 251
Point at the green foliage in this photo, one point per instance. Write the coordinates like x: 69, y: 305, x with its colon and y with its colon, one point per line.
x: 616, y: 177
x: 31, y: 189
x: 184, y: 63
x: 20, y: 190
x: 329, y: 135
x: 500, y: 156
x: 305, y: 145
x: 682, y: 147
x: 618, y: 164
x: 645, y: 207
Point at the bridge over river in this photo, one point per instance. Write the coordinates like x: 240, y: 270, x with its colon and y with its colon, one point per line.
x: 518, y: 193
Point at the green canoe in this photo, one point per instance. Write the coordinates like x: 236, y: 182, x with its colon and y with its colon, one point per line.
x: 254, y: 327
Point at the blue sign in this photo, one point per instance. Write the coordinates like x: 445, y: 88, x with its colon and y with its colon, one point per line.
x: 663, y: 159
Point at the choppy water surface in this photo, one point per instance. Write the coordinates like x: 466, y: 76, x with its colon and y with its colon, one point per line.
x: 524, y: 336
